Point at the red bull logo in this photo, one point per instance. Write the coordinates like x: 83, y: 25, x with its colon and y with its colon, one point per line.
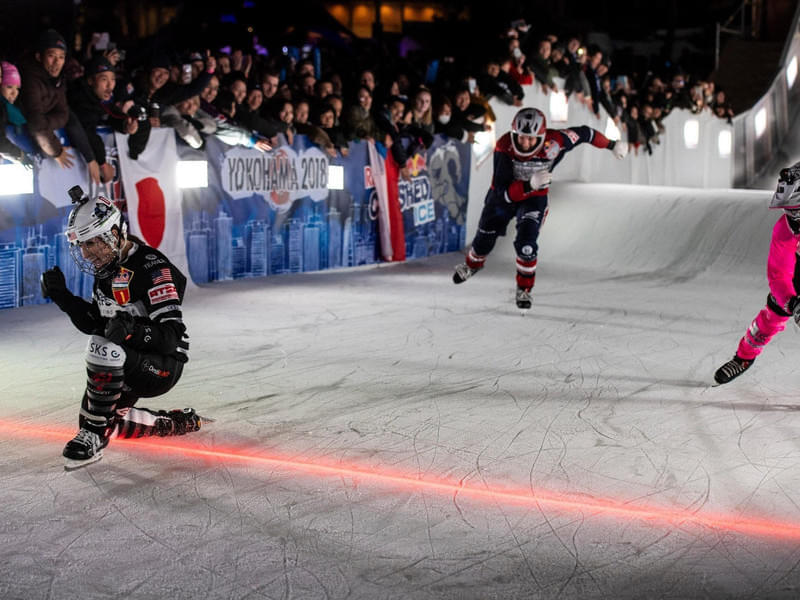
x: 417, y: 163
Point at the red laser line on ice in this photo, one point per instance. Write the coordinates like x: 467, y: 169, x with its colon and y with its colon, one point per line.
x: 524, y: 497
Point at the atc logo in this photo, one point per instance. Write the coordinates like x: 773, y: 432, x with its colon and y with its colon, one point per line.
x: 162, y: 293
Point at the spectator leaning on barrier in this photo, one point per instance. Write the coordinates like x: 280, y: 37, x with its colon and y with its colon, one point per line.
x: 182, y: 118
x: 422, y: 110
x: 10, y: 115
x: 445, y: 124
x: 636, y: 138
x: 497, y: 83
x: 224, y: 125
x: 519, y: 68
x: 721, y: 107
x: 90, y: 98
x: 154, y: 90
x: 543, y: 69
x: 249, y: 115
x: 359, y: 123
x: 468, y: 115
x: 44, y: 100
x: 327, y: 122
x: 593, y: 76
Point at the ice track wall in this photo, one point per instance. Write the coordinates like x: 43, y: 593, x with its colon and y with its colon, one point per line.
x: 653, y: 232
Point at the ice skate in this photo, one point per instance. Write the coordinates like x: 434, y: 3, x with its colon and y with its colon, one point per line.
x: 732, y: 369
x: 464, y: 272
x: 523, y: 299
x: 179, y: 422
x: 84, y: 449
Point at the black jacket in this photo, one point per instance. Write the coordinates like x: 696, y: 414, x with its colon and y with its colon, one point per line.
x: 92, y: 113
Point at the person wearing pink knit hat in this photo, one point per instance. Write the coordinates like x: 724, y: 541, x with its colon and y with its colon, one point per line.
x: 9, y: 114
x: 10, y: 83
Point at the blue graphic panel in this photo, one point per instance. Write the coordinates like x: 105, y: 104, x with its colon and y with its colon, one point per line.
x: 253, y: 236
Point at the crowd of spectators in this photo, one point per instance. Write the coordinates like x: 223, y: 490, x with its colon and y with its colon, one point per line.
x: 258, y: 100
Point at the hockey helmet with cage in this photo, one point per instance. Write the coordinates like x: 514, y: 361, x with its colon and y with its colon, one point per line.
x: 92, y: 219
x: 787, y: 194
x: 530, y: 122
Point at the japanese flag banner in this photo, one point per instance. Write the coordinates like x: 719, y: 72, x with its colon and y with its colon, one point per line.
x: 153, y: 196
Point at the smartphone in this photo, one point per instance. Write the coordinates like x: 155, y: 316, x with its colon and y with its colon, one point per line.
x: 472, y: 84
x: 102, y: 41
x: 186, y: 75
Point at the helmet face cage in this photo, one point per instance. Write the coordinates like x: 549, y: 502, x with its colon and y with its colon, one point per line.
x: 531, y: 122
x: 96, y: 219
x: 787, y: 194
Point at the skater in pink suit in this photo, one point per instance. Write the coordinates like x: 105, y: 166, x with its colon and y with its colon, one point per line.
x: 783, y: 275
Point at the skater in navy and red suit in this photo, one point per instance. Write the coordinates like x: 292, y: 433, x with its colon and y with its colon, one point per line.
x: 524, y: 159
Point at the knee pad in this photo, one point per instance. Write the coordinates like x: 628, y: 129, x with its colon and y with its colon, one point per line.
x: 526, y: 252
x: 532, y: 215
x: 104, y: 354
x: 105, y: 372
x: 776, y: 308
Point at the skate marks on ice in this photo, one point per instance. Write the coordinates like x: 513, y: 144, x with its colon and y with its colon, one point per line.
x: 395, y: 369
x: 235, y: 531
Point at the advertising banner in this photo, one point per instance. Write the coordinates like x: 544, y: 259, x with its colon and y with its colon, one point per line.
x: 261, y: 214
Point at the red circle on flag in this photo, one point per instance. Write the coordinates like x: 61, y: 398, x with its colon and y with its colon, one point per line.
x: 152, y: 212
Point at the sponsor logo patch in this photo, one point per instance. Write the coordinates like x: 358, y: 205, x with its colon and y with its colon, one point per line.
x: 551, y: 149
x: 153, y: 261
x: 123, y: 278
x: 119, y: 286
x: 162, y: 293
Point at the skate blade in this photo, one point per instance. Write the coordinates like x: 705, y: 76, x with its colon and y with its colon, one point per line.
x: 205, y: 420
x: 72, y: 464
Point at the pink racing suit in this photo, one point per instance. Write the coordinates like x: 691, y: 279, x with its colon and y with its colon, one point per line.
x: 781, y: 265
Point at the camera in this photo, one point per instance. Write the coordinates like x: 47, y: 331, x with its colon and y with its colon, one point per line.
x: 154, y: 111
x: 76, y: 195
x: 137, y: 112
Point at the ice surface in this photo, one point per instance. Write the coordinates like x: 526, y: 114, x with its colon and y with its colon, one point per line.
x: 600, y: 394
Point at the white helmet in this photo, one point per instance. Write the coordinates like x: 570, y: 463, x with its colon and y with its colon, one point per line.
x: 95, y: 219
x: 787, y: 195
x: 528, y: 121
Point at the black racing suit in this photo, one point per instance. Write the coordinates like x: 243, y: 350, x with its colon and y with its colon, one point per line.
x: 150, y: 288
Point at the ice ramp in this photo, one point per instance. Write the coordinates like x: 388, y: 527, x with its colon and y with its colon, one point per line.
x: 653, y: 232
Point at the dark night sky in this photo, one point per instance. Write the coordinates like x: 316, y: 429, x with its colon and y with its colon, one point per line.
x: 623, y: 20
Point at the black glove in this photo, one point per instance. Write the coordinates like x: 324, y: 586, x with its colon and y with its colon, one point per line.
x: 54, y: 286
x: 120, y: 328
